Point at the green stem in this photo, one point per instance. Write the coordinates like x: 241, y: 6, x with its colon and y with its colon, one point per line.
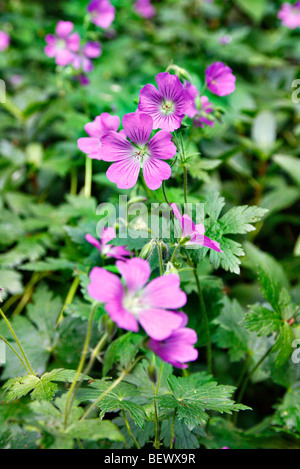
x: 69, y: 298
x: 15, y: 352
x: 17, y: 342
x: 74, y: 181
x: 87, y: 370
x: 185, y: 175
x: 129, y: 430
x: 88, y: 177
x: 172, y: 429
x: 80, y: 366
x: 156, y: 412
x: 28, y: 292
x: 174, y: 253
x: 161, y: 264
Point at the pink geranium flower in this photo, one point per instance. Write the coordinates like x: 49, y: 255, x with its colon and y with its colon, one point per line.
x: 102, y: 125
x: 144, y: 8
x: 129, y: 156
x: 82, y: 60
x: 4, y: 41
x: 220, y: 79
x: 167, y: 104
x: 150, y: 304
x: 108, y: 250
x: 290, y: 15
x: 64, y: 45
x: 195, y: 233
x: 178, y: 349
x: 102, y: 13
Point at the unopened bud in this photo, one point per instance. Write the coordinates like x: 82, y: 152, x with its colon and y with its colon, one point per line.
x: 151, y: 370
x: 147, y: 250
x: 171, y: 269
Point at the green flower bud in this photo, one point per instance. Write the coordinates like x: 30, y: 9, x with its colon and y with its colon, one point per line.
x: 171, y: 269
x: 151, y: 370
x: 147, y: 250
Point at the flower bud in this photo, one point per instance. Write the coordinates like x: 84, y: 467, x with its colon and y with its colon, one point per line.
x: 171, y: 269
x: 147, y: 250
x: 151, y: 370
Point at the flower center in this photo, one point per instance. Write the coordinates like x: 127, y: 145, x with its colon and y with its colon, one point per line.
x: 60, y: 44
x: 167, y: 107
x: 133, y: 304
x: 140, y: 153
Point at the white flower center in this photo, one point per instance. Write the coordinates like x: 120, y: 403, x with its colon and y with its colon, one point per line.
x: 133, y: 304
x: 167, y: 107
x: 140, y: 153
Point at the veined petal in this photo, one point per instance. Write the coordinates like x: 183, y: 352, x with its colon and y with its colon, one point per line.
x: 136, y: 273
x: 124, y: 173
x: 161, y: 145
x: 155, y: 171
x: 138, y: 127
x: 115, y: 147
x: 170, y: 86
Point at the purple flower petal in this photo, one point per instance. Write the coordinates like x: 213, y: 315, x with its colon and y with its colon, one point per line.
x: 161, y: 146
x: 138, y: 127
x: 123, y: 318
x: 115, y: 147
x: 136, y: 273
x: 124, y: 173
x: 104, y: 285
x: 165, y: 292
x: 155, y: 171
x: 159, y: 323
x: 93, y: 241
x: 64, y: 28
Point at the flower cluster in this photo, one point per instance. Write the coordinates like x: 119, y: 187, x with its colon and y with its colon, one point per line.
x: 153, y: 305
x: 4, y: 41
x: 290, y: 15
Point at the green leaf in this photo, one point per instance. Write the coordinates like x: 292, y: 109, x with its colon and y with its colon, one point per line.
x: 262, y: 320
x: 94, y: 430
x: 291, y: 165
x: 121, y: 350
x: 231, y: 333
x: 193, y: 396
x: 239, y: 220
